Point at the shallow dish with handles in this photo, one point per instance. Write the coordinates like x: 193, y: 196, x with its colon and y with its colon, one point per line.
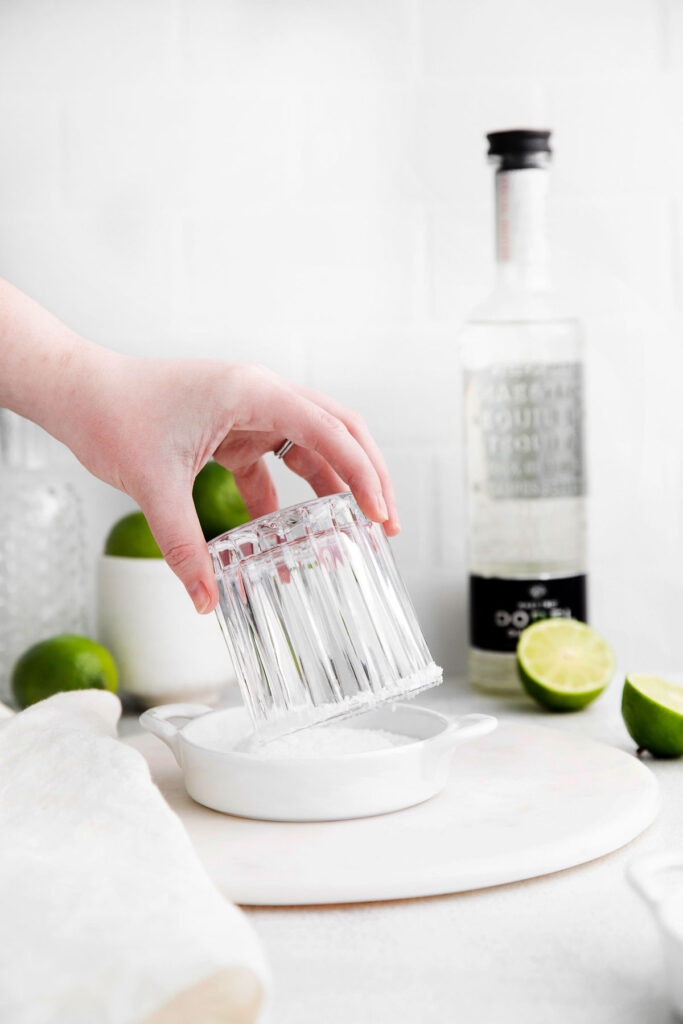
x: 320, y: 788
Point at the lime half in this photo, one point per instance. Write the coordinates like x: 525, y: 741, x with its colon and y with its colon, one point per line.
x: 653, y: 714
x: 564, y: 664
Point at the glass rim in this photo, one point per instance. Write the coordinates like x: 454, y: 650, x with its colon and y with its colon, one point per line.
x: 274, y: 519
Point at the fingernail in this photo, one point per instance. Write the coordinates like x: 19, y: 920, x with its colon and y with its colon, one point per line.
x: 382, y: 508
x: 392, y: 527
x: 200, y: 597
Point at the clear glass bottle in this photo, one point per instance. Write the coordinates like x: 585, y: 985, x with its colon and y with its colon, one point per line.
x: 42, y: 557
x: 524, y: 410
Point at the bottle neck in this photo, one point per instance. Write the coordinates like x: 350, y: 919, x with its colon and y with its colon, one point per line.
x: 521, y: 243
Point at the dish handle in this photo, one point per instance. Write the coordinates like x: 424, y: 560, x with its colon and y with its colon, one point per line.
x: 469, y: 727
x: 651, y: 876
x: 156, y: 721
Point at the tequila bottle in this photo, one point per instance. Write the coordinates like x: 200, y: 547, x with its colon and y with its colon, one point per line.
x: 523, y: 402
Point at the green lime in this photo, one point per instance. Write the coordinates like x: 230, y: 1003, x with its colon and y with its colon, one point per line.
x: 564, y: 664
x: 653, y: 712
x: 131, y: 537
x: 65, y: 662
x: 218, y: 502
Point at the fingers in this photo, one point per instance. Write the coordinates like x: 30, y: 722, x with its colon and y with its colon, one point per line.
x: 313, y: 468
x: 358, y: 429
x: 256, y: 486
x: 173, y: 521
x: 314, y: 428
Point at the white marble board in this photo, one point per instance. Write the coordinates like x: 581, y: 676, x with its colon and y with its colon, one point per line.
x: 525, y: 801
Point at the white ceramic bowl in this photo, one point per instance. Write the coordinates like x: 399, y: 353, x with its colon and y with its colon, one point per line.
x: 320, y: 788
x: 163, y: 649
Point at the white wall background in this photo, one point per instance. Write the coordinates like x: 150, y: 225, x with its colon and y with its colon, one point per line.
x: 303, y: 183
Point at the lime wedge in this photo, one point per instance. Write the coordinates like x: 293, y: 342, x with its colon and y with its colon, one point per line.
x: 653, y: 714
x: 564, y: 664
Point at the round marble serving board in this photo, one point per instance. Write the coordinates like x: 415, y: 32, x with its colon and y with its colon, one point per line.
x: 524, y: 801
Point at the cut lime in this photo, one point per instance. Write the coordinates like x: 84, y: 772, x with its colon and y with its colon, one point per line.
x: 653, y: 714
x: 564, y: 664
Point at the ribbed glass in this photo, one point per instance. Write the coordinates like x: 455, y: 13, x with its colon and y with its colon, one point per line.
x: 316, y: 617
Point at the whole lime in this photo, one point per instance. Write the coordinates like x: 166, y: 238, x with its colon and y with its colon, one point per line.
x: 65, y: 662
x: 652, y: 709
x: 218, y: 502
x: 131, y: 537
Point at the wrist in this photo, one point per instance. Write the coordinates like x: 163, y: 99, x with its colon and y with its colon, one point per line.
x: 82, y: 393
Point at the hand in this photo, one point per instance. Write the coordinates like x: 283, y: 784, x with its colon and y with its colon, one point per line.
x: 148, y: 427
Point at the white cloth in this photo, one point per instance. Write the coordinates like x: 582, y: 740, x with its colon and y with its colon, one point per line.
x: 105, y: 911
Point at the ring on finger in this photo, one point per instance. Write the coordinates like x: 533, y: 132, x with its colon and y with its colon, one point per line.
x: 283, y: 449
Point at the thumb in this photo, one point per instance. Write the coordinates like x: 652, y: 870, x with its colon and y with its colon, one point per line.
x: 173, y: 521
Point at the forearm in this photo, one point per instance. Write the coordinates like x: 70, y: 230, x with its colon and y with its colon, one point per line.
x: 47, y: 372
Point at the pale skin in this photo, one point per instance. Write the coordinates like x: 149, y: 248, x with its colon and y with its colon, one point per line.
x: 147, y: 427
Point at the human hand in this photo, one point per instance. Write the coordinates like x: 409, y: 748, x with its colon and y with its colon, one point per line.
x: 149, y: 426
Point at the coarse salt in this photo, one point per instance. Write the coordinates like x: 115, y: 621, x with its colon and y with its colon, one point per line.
x: 329, y: 741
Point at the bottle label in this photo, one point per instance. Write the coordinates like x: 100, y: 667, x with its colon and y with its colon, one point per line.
x: 528, y: 421
x: 520, y: 216
x: 501, y: 608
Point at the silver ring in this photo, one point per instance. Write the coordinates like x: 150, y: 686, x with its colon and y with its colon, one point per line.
x: 282, y: 451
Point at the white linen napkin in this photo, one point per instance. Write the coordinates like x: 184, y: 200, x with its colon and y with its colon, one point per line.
x: 106, y: 913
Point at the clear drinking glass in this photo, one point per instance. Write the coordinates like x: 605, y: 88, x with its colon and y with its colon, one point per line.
x: 316, y: 617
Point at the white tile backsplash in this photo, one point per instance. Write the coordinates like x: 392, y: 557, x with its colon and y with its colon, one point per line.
x: 332, y: 264
x: 615, y: 251
x: 108, y: 273
x: 302, y: 40
x: 240, y: 149
x: 405, y: 382
x: 676, y: 210
x: 31, y: 156
x: 49, y: 47
x: 574, y: 36
x: 305, y: 184
x: 672, y: 33
x: 460, y: 244
x: 356, y: 143
x: 613, y: 135
x: 125, y: 151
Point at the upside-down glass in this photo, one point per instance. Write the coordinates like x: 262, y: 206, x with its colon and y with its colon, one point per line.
x: 316, y: 616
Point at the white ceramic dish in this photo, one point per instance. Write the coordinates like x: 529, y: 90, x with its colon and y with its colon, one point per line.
x: 164, y: 650
x: 658, y: 879
x: 321, y: 788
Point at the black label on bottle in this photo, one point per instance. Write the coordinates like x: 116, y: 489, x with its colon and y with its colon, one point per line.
x: 501, y: 608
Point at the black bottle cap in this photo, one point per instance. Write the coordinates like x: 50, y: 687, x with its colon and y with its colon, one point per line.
x: 519, y: 148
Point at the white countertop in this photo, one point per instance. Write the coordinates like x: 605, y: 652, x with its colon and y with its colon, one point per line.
x: 576, y: 947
